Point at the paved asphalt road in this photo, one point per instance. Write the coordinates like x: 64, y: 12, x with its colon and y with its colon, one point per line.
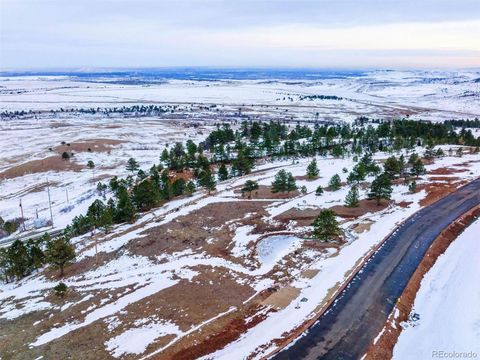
x: 351, y: 324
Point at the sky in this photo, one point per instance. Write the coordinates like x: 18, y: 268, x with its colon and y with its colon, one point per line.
x: 353, y: 34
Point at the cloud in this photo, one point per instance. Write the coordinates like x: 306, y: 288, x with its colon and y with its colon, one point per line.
x: 239, y: 33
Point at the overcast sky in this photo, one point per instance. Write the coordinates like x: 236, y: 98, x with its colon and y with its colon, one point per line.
x: 277, y: 33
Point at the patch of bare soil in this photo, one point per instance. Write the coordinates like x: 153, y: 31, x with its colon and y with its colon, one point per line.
x: 446, y: 171
x: 436, y: 191
x: 383, y: 348
x: 265, y: 192
x: 365, y: 206
x: 362, y: 227
x: 303, y: 217
x: 52, y: 163
x: 443, y: 178
x: 282, y: 298
x: 206, y: 229
x: 91, y: 145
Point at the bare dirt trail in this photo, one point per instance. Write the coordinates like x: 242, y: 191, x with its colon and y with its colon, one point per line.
x: 350, y: 325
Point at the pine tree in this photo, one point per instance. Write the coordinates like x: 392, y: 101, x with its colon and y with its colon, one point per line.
x: 381, y: 188
x: 165, y: 185
x: 178, y: 187
x: 418, y: 168
x: 190, y: 187
x: 352, y: 198
x: 279, y: 184
x: 335, y: 183
x: 325, y: 226
x: 125, y: 211
x: 17, y: 255
x: 132, y: 165
x: 222, y: 173
x: 145, y: 195
x: 249, y: 186
x: 106, y: 220
x: 412, y: 187
x: 291, y: 184
x: 392, y: 167
x: 312, y: 170
x: 319, y: 191
x: 60, y: 253
x: 207, y: 180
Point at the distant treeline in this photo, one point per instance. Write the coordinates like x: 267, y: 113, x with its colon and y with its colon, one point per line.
x: 320, y: 97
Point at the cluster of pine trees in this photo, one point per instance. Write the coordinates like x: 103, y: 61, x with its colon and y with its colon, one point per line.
x: 226, y: 153
x: 22, y: 258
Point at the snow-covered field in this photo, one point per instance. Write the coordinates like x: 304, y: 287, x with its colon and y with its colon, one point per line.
x: 448, y: 305
x: 422, y: 94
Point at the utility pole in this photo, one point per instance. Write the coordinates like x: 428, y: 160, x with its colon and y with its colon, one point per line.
x: 23, y: 218
x: 94, y: 236
x: 49, y: 202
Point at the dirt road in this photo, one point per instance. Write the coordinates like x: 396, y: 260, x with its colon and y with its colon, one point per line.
x: 351, y: 324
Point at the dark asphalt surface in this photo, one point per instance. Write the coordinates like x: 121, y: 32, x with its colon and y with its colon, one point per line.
x: 358, y: 315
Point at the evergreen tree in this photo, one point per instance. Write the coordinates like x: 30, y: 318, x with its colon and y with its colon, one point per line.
x: 352, y: 198
x: 312, y: 170
x: 60, y: 253
x: 207, y: 180
x: 60, y: 290
x: 335, y: 183
x: 358, y: 174
x: 106, y: 220
x: 392, y: 167
x: 17, y: 255
x: 178, y: 187
x: 124, y: 211
x: 418, y: 168
x: 291, y: 184
x: 145, y: 195
x: 190, y: 188
x: 249, y: 186
x: 319, y: 191
x: 381, y: 188
x: 165, y: 157
x: 325, y: 226
x: 412, y: 187
x: 222, y: 173
x: 165, y: 185
x: 132, y: 165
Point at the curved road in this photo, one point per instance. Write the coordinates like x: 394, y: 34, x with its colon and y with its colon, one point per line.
x: 351, y: 324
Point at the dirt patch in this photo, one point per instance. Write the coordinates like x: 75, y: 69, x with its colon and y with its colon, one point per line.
x: 265, y: 192
x: 310, y: 273
x: 383, y: 348
x: 436, y: 191
x: 206, y: 228
x: 443, y: 178
x: 303, y: 217
x: 362, y: 227
x: 365, y: 206
x: 92, y: 145
x: 52, y: 163
x: 446, y: 171
x: 282, y: 298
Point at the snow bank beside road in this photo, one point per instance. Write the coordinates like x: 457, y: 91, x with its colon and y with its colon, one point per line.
x: 448, y: 303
